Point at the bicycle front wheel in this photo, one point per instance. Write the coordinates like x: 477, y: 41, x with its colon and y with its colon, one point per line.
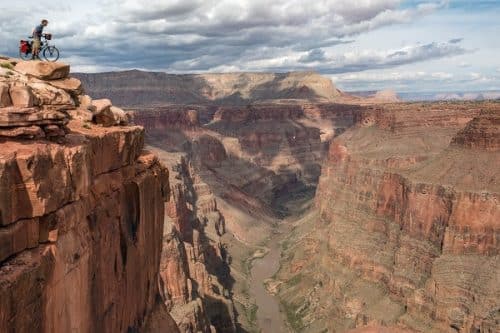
x: 51, y: 53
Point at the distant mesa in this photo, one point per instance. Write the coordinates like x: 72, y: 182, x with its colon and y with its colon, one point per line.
x: 137, y: 88
x: 471, y: 96
x: 451, y: 96
x: 380, y: 96
x: 386, y: 96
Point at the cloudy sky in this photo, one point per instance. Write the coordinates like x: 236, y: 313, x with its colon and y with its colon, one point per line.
x: 407, y: 45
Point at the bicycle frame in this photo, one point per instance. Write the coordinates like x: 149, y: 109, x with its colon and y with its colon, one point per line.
x: 44, y: 43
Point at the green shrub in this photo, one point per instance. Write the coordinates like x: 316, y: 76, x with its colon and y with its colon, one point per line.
x: 293, y: 318
x: 7, y: 65
x: 252, y: 313
x: 295, y: 280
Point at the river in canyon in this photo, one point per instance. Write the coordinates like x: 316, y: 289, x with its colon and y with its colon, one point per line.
x: 269, y: 317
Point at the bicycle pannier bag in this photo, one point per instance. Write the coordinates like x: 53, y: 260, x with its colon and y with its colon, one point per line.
x: 24, y: 47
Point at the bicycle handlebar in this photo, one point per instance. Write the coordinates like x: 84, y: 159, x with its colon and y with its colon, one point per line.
x: 31, y: 37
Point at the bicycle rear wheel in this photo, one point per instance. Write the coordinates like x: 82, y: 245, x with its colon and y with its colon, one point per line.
x: 25, y: 55
x: 51, y: 53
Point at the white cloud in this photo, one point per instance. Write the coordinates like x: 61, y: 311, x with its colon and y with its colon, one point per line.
x: 442, y: 75
x: 415, y: 81
x: 171, y: 33
x: 330, y: 36
x: 386, y: 76
x: 353, y: 61
x: 475, y: 76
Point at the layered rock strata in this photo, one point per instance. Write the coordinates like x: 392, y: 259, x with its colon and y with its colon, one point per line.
x: 37, y: 99
x: 81, y: 218
x: 81, y: 232
x: 195, y: 276
x: 406, y: 228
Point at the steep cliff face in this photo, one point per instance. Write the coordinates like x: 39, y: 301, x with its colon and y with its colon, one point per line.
x: 80, y: 233
x: 406, y: 228
x: 81, y: 212
x: 273, y: 138
x: 196, y: 281
x: 155, y: 120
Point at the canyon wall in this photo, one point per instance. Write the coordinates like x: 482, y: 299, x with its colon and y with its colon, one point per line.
x: 198, y: 271
x: 82, y: 210
x: 406, y: 227
x: 148, y: 89
x: 81, y: 236
x: 195, y: 274
x: 260, y: 150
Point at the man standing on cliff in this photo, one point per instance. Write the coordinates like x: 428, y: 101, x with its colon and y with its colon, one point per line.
x: 37, y: 38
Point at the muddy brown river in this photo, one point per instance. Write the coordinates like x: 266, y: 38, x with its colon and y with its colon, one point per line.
x: 269, y: 317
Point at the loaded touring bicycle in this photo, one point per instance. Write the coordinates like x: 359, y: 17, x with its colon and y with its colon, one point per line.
x: 48, y: 52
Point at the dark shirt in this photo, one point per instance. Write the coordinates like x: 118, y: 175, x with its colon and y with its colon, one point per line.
x: 38, y: 31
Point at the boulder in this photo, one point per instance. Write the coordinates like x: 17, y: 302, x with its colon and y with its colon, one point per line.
x: 29, y: 132
x: 80, y: 114
x: 43, y: 70
x: 70, y: 85
x: 22, y: 96
x: 52, y: 131
x: 18, y: 117
x: 49, y: 95
x: 101, y: 105
x: 103, y: 114
x: 4, y: 95
x: 111, y: 116
x: 85, y: 102
x: 120, y: 116
x: 105, y: 118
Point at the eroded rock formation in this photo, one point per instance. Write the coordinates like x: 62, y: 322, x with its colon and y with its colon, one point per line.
x: 195, y: 276
x: 81, y: 214
x: 407, y: 225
